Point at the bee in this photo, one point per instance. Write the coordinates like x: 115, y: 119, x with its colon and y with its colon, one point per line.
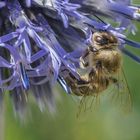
x: 100, y: 65
x: 102, y: 60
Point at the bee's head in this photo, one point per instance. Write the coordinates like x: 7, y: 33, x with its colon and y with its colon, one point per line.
x: 104, y: 40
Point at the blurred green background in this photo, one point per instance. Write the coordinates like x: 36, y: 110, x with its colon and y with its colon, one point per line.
x: 104, y: 123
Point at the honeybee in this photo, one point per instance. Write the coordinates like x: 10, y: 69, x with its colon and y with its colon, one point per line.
x: 100, y: 65
x: 102, y: 60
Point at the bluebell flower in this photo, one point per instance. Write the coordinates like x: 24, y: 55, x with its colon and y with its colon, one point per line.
x: 40, y: 39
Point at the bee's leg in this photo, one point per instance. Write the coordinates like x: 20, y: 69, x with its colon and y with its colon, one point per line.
x: 64, y: 72
x: 83, y: 62
x: 67, y: 75
x: 82, y: 83
x: 91, y: 75
x: 85, y: 54
x: 96, y: 68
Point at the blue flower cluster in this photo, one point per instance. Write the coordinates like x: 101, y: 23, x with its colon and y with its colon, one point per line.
x: 40, y: 38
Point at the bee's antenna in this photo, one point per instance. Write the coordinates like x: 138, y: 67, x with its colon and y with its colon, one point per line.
x: 100, y: 30
x: 100, y: 19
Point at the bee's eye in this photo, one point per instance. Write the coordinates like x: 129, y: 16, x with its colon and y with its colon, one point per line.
x: 101, y: 40
x: 98, y: 38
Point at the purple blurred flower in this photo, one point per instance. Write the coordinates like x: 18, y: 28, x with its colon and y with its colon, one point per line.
x: 38, y: 39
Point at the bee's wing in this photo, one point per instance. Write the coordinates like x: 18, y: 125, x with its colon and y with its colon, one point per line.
x: 92, y: 101
x: 88, y: 104
x: 121, y: 94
